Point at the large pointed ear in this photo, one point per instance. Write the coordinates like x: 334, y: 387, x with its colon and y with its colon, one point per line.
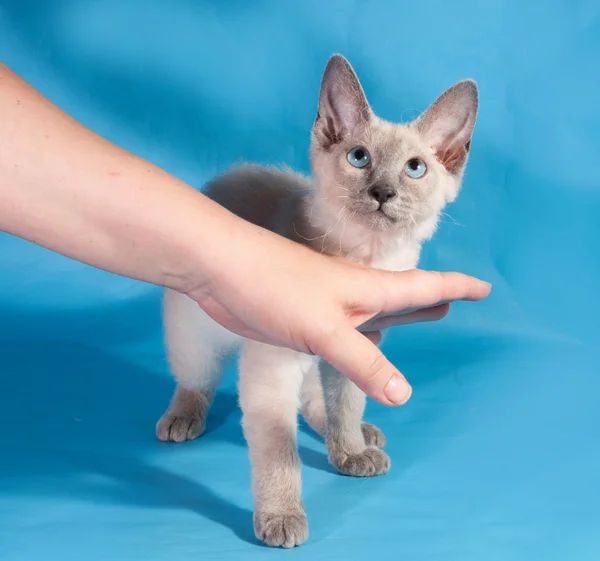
x: 342, y: 103
x: 447, y: 126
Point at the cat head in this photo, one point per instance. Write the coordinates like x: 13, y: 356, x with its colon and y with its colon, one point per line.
x: 388, y: 176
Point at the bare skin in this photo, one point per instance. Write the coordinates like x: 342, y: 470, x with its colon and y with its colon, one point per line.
x: 67, y: 189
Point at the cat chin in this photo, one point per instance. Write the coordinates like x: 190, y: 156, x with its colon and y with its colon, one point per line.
x: 380, y: 222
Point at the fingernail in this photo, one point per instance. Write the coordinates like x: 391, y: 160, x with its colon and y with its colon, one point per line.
x: 397, y: 390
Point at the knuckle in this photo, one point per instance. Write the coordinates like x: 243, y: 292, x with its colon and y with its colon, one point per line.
x: 374, y: 368
x: 323, y: 338
x: 436, y: 285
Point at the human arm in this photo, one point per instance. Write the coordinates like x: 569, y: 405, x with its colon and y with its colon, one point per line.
x: 68, y: 189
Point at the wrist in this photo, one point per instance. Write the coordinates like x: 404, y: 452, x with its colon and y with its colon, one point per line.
x: 205, y: 251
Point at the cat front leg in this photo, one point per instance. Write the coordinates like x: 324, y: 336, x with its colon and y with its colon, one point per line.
x: 195, y: 345
x: 314, y: 413
x: 185, y: 418
x: 346, y: 446
x: 270, y: 379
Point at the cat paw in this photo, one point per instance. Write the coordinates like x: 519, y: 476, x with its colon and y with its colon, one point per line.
x: 373, y: 435
x: 176, y: 428
x: 369, y: 463
x: 281, y: 529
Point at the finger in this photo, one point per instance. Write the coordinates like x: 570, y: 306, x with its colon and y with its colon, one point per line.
x: 357, y: 358
x: 373, y: 336
x: 426, y: 314
x: 418, y: 289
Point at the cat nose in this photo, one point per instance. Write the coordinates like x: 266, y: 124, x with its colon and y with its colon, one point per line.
x: 382, y: 193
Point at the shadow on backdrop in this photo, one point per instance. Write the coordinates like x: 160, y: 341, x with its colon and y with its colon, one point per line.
x: 495, y: 457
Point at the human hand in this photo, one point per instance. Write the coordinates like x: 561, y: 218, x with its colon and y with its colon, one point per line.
x: 65, y: 188
x: 281, y: 293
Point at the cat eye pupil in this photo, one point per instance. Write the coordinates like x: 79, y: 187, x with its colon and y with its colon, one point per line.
x: 358, y: 157
x: 415, y: 168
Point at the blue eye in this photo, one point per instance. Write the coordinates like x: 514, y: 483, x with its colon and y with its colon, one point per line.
x: 359, y: 157
x: 415, y: 168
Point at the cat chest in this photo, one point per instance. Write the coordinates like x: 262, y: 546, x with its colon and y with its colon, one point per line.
x: 396, y: 258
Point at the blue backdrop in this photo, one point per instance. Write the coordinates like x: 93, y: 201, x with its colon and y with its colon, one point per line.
x: 497, y: 455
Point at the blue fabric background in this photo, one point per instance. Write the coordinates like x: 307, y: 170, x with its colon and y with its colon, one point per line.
x: 497, y: 455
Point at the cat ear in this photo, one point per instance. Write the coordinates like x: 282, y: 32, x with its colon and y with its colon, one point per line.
x: 342, y: 103
x: 448, y: 125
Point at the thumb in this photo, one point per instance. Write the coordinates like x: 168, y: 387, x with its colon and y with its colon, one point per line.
x: 361, y: 361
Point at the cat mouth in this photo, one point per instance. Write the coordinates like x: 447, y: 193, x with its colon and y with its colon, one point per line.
x: 378, y: 215
x: 382, y: 211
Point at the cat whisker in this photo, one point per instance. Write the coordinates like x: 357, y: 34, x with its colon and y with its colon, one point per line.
x: 339, y: 216
x: 416, y: 112
x: 347, y: 219
x: 412, y: 210
x: 452, y: 220
x: 323, y: 236
x: 303, y: 237
x: 328, y: 180
x: 324, y: 174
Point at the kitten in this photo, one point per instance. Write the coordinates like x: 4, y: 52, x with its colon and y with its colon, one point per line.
x: 376, y: 194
